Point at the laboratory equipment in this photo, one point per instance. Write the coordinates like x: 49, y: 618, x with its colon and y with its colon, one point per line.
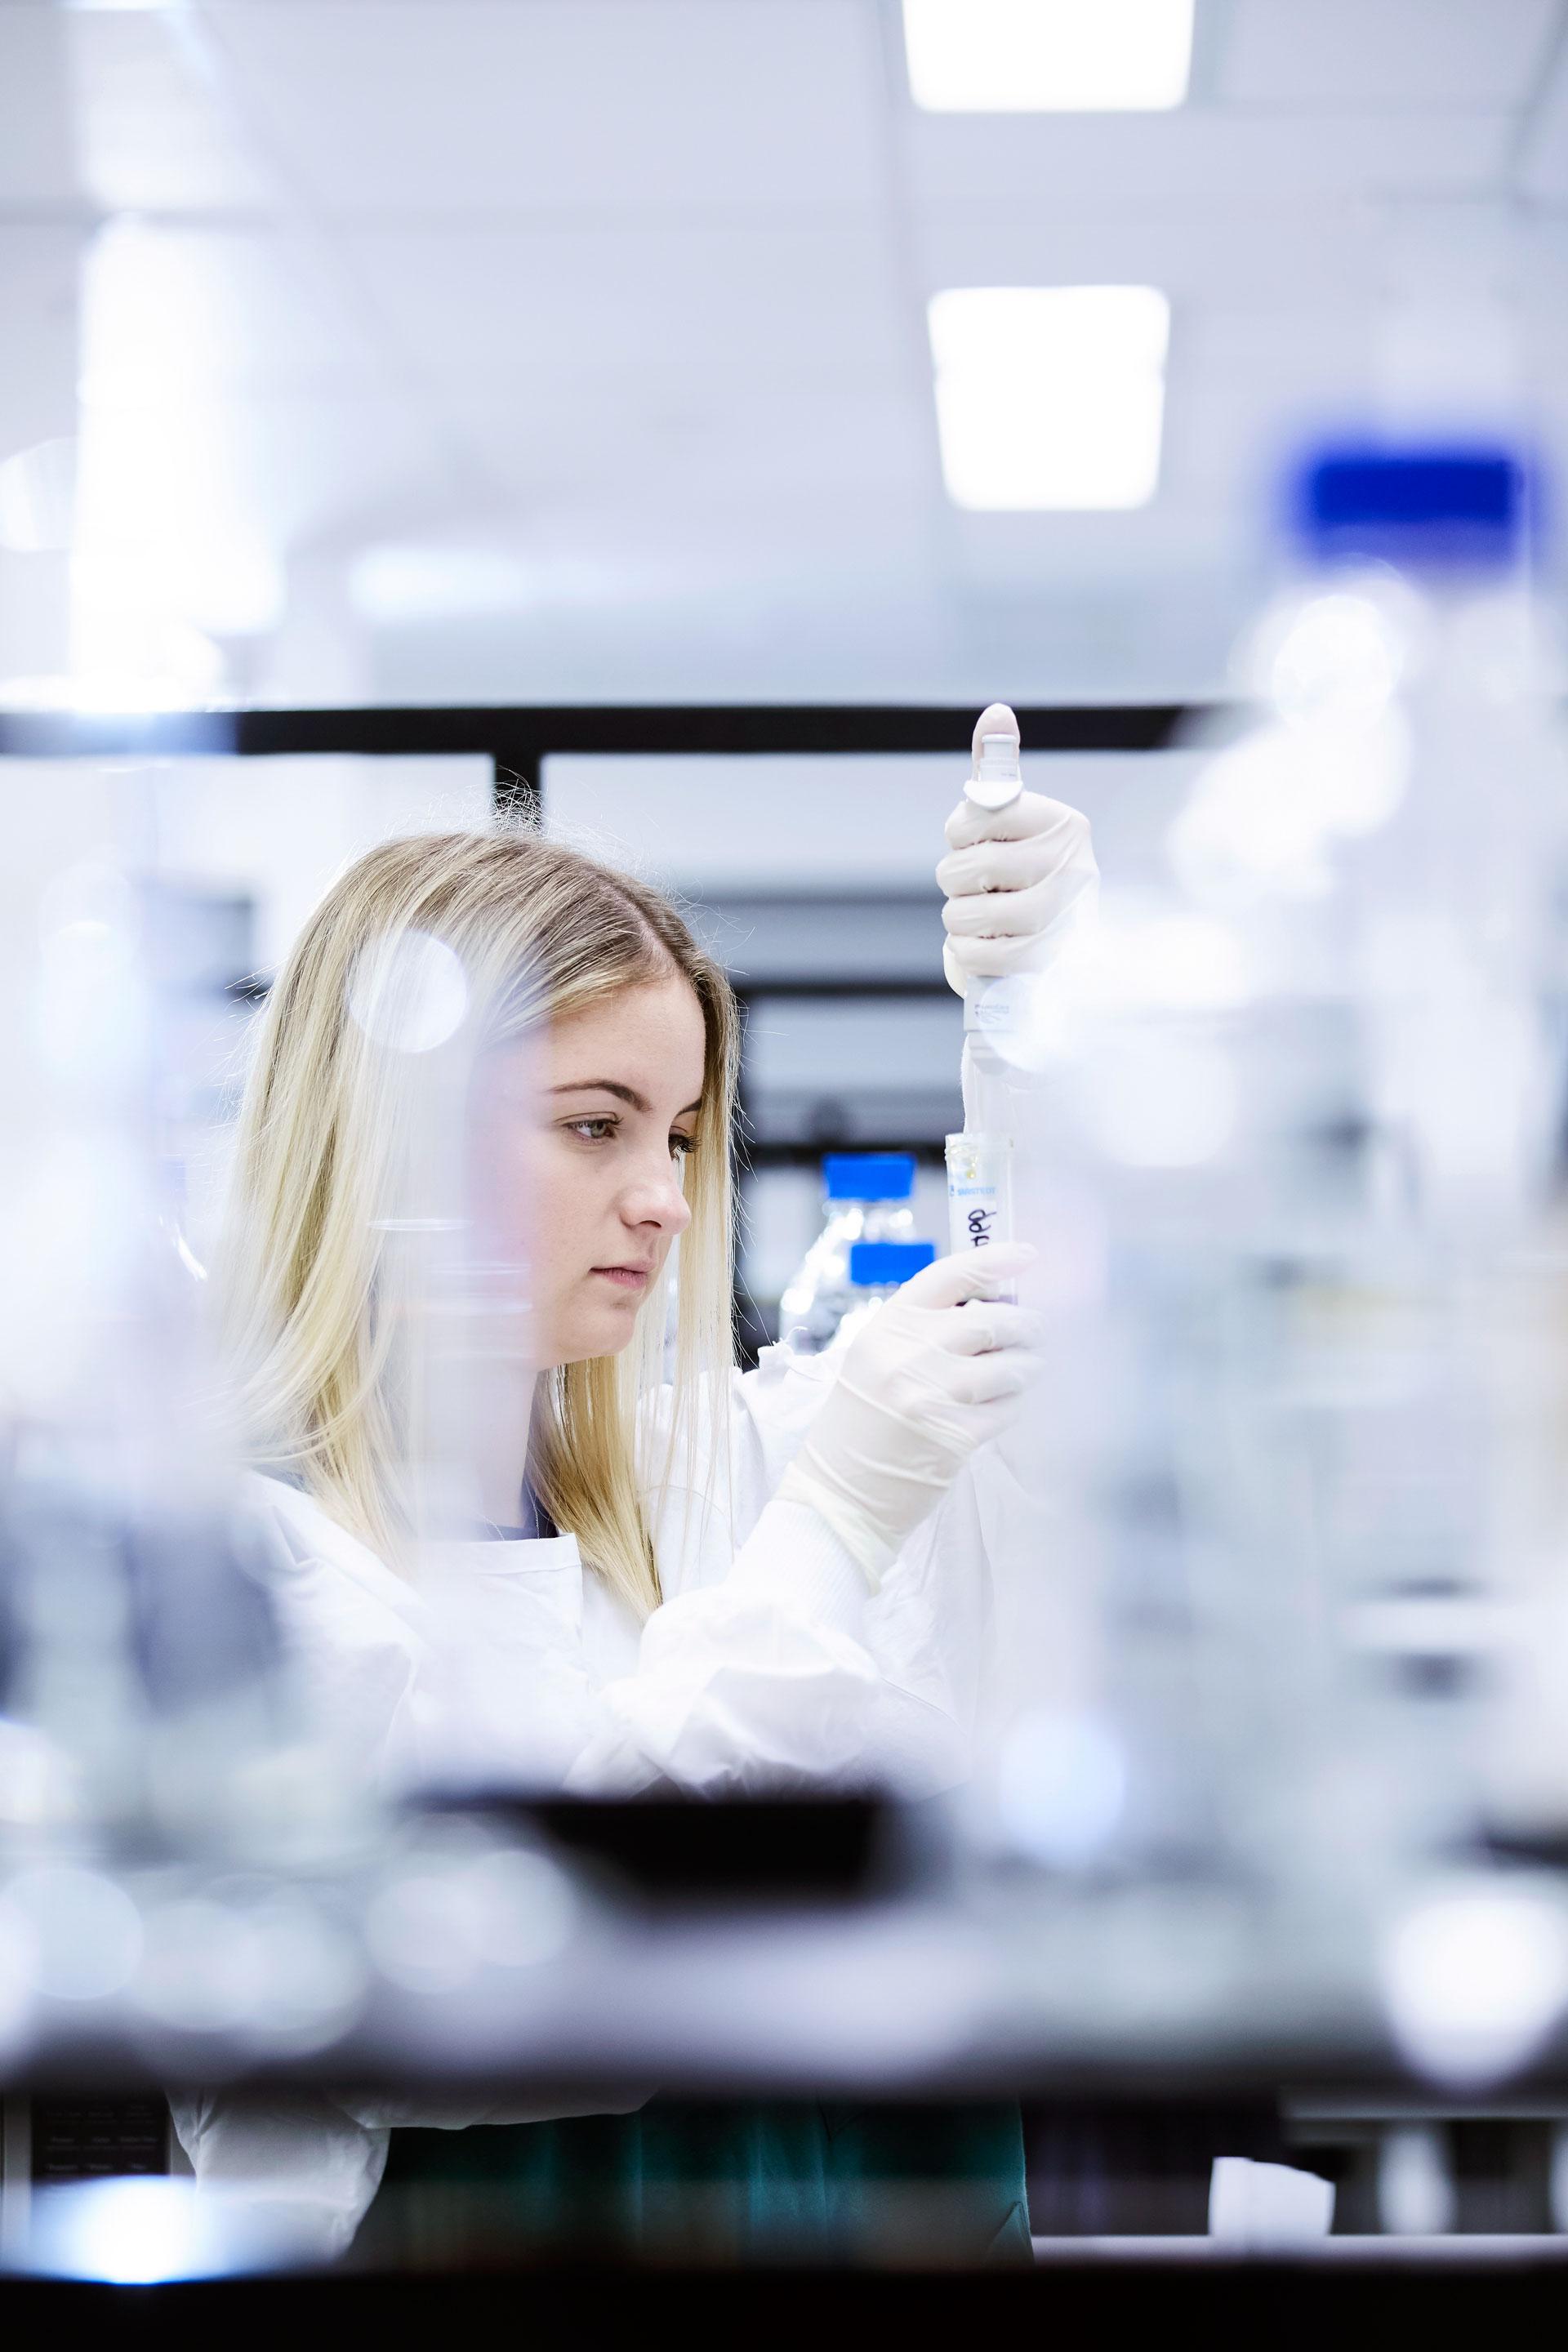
x: 979, y: 1190
x: 990, y: 1005
x: 147, y: 1706
x: 1297, y: 1107
x: 865, y: 1196
x: 877, y: 1269
x: 979, y: 1162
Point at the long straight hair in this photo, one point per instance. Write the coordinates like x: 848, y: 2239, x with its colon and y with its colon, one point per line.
x: 517, y: 932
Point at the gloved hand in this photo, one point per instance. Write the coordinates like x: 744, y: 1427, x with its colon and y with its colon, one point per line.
x: 928, y: 1379
x: 1017, y: 879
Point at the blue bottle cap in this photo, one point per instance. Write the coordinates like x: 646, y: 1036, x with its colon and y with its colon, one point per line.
x: 872, y: 1264
x: 1468, y: 504
x: 868, y: 1175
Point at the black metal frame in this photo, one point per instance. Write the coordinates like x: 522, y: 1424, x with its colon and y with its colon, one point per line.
x: 819, y: 730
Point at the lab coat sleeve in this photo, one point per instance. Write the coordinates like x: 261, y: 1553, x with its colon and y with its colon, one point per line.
x: 293, y: 2157
x: 311, y: 2161
x: 379, y: 2111
x: 758, y: 1681
x: 762, y: 1670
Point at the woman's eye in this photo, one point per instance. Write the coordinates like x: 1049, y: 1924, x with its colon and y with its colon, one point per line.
x: 682, y: 1145
x: 592, y: 1130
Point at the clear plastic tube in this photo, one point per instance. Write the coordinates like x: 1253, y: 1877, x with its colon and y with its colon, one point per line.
x: 979, y: 1191
x: 979, y: 1160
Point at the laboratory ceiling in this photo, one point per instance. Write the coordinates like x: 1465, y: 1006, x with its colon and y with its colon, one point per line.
x: 510, y: 349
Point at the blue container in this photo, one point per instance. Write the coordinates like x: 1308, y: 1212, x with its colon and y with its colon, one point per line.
x: 875, y: 1264
x: 1468, y: 504
x: 868, y: 1175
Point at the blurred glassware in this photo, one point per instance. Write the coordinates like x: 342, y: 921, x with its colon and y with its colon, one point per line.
x: 1287, y: 1134
x: 866, y: 1197
x: 877, y: 1269
x: 146, y: 1698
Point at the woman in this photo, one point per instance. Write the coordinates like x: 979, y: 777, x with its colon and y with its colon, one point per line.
x: 725, y: 1584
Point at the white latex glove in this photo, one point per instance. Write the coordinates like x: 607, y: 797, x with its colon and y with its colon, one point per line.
x: 926, y: 1380
x: 1017, y: 879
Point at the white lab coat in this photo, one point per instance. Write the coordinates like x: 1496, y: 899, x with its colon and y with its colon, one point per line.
x: 769, y: 1663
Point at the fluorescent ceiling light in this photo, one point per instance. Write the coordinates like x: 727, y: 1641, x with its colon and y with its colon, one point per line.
x: 1027, y: 57
x: 1050, y: 395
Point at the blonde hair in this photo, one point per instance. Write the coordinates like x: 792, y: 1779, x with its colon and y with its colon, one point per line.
x: 327, y: 1394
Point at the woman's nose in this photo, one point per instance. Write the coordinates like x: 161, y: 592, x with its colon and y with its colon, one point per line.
x: 656, y: 1200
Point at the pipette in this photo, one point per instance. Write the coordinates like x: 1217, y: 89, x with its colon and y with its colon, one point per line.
x: 979, y: 1160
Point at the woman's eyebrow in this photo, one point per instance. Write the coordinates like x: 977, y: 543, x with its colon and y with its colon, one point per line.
x: 604, y: 1086
x: 623, y: 1094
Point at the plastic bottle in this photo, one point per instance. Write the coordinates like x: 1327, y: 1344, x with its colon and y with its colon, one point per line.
x: 1386, y: 839
x: 1381, y: 850
x: 866, y: 1197
x: 1300, y: 1423
x: 877, y: 1269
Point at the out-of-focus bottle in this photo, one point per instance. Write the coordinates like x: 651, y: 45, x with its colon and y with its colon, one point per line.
x: 1389, y: 836
x: 1302, y: 1406
x: 866, y: 1197
x: 140, y: 1664
x: 877, y: 1269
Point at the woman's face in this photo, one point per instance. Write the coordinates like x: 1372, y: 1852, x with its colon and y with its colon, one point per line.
x: 585, y: 1132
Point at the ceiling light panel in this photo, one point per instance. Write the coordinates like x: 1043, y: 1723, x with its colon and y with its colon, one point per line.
x: 1051, y: 396
x: 1027, y: 56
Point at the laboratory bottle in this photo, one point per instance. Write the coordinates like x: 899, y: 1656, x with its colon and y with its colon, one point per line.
x: 876, y: 1270
x: 866, y: 1197
x: 1391, y: 833
x: 1383, y: 850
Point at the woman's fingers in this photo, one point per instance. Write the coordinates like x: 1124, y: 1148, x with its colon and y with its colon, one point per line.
x: 1009, y: 914
x: 971, y: 1274
x: 984, y: 1325
x: 990, y: 859
x: 987, y: 1379
x: 1003, y: 865
x: 1011, y: 877
x: 985, y: 960
x: 1030, y: 813
x: 986, y: 954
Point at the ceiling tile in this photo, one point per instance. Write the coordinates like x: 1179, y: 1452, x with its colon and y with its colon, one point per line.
x: 463, y: 106
x: 1087, y: 166
x: 1318, y: 253
x: 637, y: 305
x: 1401, y: 54
x: 1544, y: 169
x: 756, y: 478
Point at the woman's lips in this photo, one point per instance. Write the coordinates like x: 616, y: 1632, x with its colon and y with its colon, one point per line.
x: 629, y: 1278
